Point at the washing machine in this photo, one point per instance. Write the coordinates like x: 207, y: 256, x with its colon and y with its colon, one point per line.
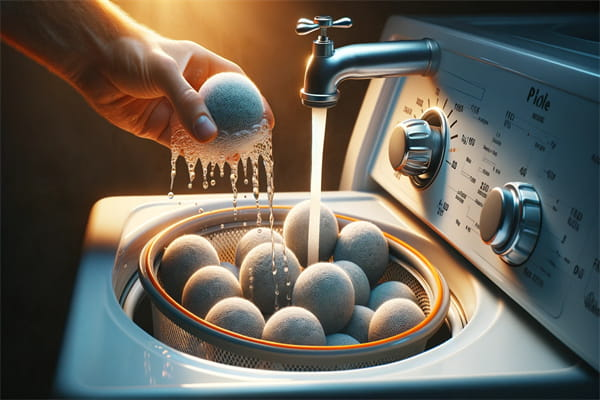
x: 507, y: 225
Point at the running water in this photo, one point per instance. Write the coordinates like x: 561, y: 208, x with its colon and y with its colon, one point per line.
x: 319, y: 117
x: 246, y: 146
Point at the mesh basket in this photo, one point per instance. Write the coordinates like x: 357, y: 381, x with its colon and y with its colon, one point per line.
x: 179, y: 328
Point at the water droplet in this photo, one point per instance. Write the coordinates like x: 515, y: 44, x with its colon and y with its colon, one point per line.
x: 190, y: 185
x: 171, y: 195
x: 246, y: 147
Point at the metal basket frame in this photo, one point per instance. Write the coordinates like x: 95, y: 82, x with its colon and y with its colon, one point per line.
x: 234, y: 348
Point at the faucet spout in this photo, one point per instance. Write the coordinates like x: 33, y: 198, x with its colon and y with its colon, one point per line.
x: 325, y: 70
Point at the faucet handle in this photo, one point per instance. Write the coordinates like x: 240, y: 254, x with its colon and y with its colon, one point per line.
x: 306, y: 26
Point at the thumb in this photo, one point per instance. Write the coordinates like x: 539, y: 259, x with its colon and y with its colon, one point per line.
x: 189, y: 107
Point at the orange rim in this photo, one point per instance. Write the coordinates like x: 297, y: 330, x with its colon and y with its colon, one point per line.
x: 435, y: 309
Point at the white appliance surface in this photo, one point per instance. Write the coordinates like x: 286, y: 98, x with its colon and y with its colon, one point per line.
x: 521, y: 105
x: 520, y: 96
x: 106, y: 354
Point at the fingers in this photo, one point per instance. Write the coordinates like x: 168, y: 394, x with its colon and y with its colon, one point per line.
x: 187, y: 103
x: 180, y: 79
x: 268, y: 114
x: 204, y: 129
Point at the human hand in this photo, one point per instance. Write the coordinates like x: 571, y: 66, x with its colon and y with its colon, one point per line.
x: 138, y: 80
x: 149, y: 83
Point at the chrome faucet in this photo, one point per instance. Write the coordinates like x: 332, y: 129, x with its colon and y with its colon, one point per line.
x: 327, y: 67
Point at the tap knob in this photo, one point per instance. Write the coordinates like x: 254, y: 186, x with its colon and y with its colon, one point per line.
x: 410, y: 147
x: 510, y: 221
x: 417, y: 146
x: 306, y: 26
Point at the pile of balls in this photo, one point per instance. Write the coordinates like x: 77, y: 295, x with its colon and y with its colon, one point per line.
x: 270, y: 293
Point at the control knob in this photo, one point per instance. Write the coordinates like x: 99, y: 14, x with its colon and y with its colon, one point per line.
x: 510, y: 221
x: 417, y: 146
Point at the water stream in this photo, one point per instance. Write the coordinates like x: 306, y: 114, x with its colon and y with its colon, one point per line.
x: 319, y: 117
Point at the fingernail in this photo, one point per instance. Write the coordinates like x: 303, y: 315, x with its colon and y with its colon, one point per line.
x: 204, y: 129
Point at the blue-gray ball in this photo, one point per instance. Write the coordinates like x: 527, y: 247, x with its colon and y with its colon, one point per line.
x: 295, y: 231
x: 340, y: 339
x: 206, y: 287
x: 238, y: 315
x: 258, y: 281
x: 390, y: 290
x: 325, y: 290
x: 231, y: 268
x: 294, y: 325
x: 364, y: 244
x: 233, y: 100
x: 394, y: 317
x: 358, y: 326
x: 360, y: 282
x: 182, y: 257
x: 253, y: 238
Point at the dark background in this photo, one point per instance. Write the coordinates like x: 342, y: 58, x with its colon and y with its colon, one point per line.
x: 59, y: 157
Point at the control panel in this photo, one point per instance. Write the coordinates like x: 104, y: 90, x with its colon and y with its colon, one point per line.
x: 515, y: 186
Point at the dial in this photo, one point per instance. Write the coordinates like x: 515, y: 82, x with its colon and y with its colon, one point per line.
x: 417, y: 146
x: 510, y: 221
